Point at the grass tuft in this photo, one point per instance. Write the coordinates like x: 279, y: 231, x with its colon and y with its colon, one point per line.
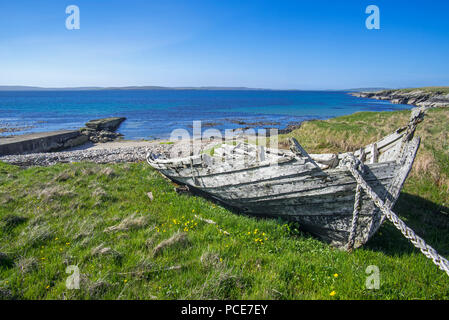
x: 179, y: 239
x: 27, y: 264
x: 210, y: 259
x: 129, y: 223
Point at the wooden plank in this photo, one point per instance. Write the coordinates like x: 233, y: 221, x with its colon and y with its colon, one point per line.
x: 374, y: 153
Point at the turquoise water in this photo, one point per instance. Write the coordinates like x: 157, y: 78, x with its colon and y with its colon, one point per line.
x: 155, y: 113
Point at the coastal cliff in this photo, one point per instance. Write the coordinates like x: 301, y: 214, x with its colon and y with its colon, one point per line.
x: 431, y: 97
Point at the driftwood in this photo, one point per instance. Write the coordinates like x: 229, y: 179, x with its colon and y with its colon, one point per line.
x: 316, y: 190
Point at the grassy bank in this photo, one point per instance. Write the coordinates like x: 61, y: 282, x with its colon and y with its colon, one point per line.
x: 436, y: 90
x: 126, y: 246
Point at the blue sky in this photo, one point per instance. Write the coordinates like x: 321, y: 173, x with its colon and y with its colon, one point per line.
x: 267, y: 44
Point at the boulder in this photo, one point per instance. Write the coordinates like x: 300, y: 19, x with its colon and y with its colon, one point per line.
x: 102, y: 130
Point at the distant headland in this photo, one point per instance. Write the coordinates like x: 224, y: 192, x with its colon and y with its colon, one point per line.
x: 32, y: 88
x: 427, y: 97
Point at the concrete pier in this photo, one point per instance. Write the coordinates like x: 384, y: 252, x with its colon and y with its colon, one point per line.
x: 41, y: 142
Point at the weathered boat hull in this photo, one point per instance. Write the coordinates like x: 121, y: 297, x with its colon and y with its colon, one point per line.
x: 297, y: 189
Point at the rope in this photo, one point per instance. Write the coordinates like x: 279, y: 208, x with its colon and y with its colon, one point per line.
x: 352, y: 163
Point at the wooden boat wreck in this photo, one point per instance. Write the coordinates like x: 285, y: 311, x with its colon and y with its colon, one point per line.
x: 316, y: 190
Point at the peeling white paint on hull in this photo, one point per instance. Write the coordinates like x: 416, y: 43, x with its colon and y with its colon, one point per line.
x: 315, y: 190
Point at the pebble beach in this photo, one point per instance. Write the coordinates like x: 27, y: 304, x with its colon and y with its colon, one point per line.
x: 110, y: 152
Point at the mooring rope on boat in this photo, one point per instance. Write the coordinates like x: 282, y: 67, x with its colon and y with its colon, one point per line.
x: 355, y: 166
x: 355, y: 217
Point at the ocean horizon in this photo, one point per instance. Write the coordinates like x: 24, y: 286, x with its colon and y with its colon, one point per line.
x: 154, y: 114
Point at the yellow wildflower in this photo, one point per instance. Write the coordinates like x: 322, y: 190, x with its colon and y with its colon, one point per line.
x: 335, y: 275
x: 333, y: 293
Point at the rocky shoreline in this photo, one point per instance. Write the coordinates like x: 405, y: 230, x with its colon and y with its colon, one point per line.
x: 417, y: 97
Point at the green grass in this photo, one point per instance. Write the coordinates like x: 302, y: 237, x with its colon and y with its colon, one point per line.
x: 436, y: 90
x: 67, y: 214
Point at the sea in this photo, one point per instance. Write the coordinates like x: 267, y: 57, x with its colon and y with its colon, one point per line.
x: 154, y: 114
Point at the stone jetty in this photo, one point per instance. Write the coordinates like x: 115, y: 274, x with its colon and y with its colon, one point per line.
x: 99, y: 130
